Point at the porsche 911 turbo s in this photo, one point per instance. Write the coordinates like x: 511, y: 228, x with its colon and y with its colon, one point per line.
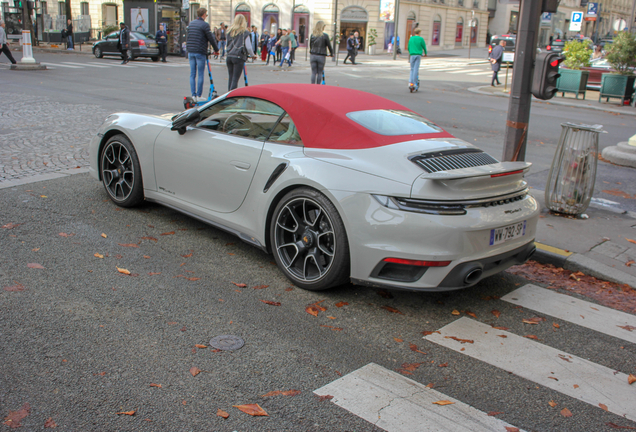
x: 360, y: 190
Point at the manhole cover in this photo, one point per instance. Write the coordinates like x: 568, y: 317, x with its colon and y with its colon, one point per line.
x: 227, y: 342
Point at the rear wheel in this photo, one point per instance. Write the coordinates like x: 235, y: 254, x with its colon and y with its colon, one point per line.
x: 98, y: 52
x: 309, y: 241
x: 121, y: 172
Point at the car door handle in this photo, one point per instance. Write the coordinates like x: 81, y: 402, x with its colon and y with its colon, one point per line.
x: 244, y: 166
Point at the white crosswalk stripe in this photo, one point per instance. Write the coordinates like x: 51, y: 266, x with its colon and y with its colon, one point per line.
x: 398, y: 404
x: 85, y: 64
x: 61, y: 65
x: 589, y: 315
x: 465, y: 71
x: 481, y: 73
x: 571, y: 375
x: 146, y: 65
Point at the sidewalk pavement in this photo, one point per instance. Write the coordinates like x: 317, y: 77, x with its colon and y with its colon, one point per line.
x: 602, y: 245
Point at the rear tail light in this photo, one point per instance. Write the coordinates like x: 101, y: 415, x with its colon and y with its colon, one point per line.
x: 548, y: 47
x: 417, y: 263
x: 489, y: 49
x: 142, y: 43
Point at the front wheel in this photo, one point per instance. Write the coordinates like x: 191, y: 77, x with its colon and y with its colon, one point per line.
x: 98, y: 52
x: 309, y: 240
x: 121, y: 172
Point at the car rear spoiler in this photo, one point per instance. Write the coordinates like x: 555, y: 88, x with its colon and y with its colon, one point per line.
x: 499, y: 169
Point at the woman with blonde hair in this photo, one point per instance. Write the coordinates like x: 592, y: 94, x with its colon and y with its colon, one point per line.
x: 318, y: 45
x: 239, y: 49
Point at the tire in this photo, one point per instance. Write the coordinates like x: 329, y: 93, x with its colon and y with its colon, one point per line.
x: 309, y: 240
x: 155, y: 59
x: 121, y: 173
x: 98, y: 52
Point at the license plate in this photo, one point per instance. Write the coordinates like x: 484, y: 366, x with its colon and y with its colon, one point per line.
x: 507, y: 233
x: 153, y: 45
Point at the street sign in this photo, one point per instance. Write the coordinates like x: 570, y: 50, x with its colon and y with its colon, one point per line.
x: 546, y: 18
x: 185, y: 4
x: 508, y: 57
x: 575, y: 21
x: 592, y: 9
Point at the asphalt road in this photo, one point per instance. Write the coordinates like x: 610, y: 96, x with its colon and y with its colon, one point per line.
x: 81, y: 341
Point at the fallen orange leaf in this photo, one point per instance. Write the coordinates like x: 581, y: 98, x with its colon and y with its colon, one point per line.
x: 603, y: 407
x: 272, y: 303
x: 455, y: 312
x: 443, y: 402
x: 240, y: 285
x: 126, y: 413
x: 104, y: 235
x: 14, y: 418
x: 426, y: 333
x: 500, y: 328
x: 512, y: 429
x: 49, y: 423
x: 149, y: 238
x: 631, y: 379
x: 155, y: 385
x: 260, y: 286
x: 496, y: 313
x: 312, y: 310
x: 332, y: 327
x: 282, y: 393
x: 566, y: 412
x: 392, y: 310
x: 124, y: 271
x: 552, y: 403
x: 167, y: 233
x: 443, y: 365
x: 532, y: 337
x: 154, y: 273
x: 555, y: 325
x: 195, y: 371
x: 133, y: 245
x: 630, y: 240
x: 35, y: 266
x: 98, y: 255
x: 251, y: 409
x: 494, y: 413
x: 535, y: 320
x: 459, y: 340
x: 187, y: 256
x: 200, y: 346
x: 222, y: 413
x: 414, y: 348
x: 398, y: 339
x: 341, y: 304
x: 472, y: 314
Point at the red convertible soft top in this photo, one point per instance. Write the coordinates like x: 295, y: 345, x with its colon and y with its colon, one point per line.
x: 320, y: 114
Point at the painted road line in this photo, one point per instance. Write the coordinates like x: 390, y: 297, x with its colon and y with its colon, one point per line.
x: 466, y: 71
x: 146, y: 65
x: 552, y: 249
x: 557, y: 370
x: 441, y: 70
x: 62, y: 65
x: 589, y: 315
x: 397, y: 404
x: 481, y: 73
x: 85, y: 64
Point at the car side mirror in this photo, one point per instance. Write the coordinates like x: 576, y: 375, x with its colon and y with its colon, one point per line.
x: 185, y: 119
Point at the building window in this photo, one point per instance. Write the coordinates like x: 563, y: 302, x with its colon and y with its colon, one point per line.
x: 84, y: 8
x: 460, y: 2
x: 61, y: 8
x: 475, y: 4
x: 45, y: 10
x: 514, y: 22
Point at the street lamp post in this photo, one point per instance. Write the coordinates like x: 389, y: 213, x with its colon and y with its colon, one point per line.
x: 395, y: 29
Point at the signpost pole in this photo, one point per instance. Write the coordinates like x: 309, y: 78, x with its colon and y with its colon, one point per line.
x: 395, y: 29
x: 336, y: 47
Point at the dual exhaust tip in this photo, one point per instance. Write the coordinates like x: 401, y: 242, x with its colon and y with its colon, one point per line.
x: 473, y: 274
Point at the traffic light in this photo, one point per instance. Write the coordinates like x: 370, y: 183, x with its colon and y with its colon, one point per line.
x: 546, y: 73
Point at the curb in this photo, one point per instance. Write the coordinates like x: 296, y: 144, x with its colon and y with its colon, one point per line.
x: 478, y: 90
x: 576, y: 262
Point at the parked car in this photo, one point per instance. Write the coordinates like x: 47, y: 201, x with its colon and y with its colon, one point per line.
x: 141, y: 45
x: 557, y: 46
x: 364, y: 190
x: 511, y: 44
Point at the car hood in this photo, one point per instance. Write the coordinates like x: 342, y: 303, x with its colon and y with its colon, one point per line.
x: 449, y: 175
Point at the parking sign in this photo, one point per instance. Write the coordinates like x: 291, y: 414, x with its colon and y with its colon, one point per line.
x: 575, y: 22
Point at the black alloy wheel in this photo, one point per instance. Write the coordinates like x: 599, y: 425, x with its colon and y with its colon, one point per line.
x: 309, y: 241
x: 121, y: 173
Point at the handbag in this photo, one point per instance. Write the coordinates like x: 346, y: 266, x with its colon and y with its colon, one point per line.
x: 243, y: 50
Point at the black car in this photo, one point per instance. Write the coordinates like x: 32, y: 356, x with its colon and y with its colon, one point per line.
x: 511, y: 43
x: 141, y: 45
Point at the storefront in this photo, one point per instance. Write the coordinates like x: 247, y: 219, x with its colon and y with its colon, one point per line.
x: 270, y: 18
x: 353, y: 19
x: 146, y: 16
x: 301, y: 24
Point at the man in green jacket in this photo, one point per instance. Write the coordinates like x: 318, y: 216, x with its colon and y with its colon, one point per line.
x: 416, y: 47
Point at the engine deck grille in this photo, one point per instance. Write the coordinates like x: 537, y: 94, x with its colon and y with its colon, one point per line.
x: 452, y: 159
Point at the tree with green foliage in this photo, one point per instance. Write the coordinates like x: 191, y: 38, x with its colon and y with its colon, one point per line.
x: 577, y: 54
x: 621, y: 54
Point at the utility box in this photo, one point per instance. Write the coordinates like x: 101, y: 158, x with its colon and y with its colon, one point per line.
x: 573, y: 173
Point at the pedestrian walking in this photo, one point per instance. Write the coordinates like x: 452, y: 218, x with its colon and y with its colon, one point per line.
x: 239, y: 49
x: 352, y: 49
x: 294, y: 40
x: 496, y: 57
x: 123, y: 44
x: 69, y: 35
x: 285, y: 44
x: 417, y: 48
x: 162, y: 41
x: 279, y: 49
x: 318, y: 45
x: 221, y: 36
x: 263, y: 44
x: 4, y: 46
x: 271, y: 49
x: 254, y: 40
x: 199, y: 35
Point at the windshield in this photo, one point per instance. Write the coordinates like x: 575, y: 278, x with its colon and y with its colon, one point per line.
x: 393, y: 122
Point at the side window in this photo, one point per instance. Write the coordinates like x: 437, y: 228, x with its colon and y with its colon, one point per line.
x: 113, y: 35
x: 242, y: 116
x: 285, y: 132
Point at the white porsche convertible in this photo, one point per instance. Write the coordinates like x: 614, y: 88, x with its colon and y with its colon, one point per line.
x: 339, y: 185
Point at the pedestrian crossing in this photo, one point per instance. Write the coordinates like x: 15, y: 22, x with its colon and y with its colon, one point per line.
x: 398, y: 404
x: 96, y: 65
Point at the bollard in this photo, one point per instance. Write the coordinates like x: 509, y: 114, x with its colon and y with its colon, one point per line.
x: 573, y: 172
x: 27, y: 49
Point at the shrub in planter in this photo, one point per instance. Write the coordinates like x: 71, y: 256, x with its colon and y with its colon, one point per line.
x: 373, y: 34
x: 577, y: 55
x: 573, y: 79
x: 622, y: 56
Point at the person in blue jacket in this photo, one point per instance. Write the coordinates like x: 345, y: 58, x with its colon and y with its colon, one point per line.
x: 162, y: 41
x: 199, y: 34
